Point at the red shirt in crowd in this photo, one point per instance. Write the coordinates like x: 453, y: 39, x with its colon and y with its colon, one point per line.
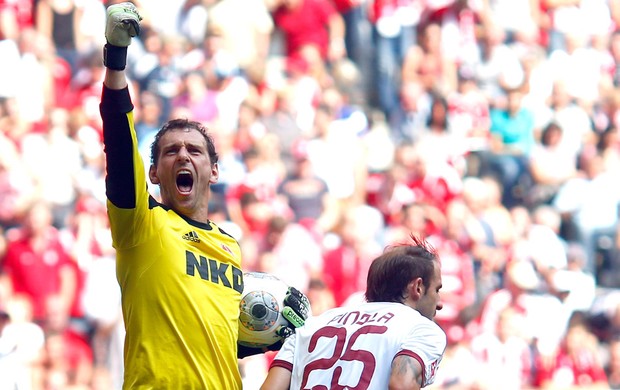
x: 36, y: 273
x: 305, y: 24
x: 579, y: 369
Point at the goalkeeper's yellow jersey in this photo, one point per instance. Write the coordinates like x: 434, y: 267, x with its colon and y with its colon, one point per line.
x: 181, y: 280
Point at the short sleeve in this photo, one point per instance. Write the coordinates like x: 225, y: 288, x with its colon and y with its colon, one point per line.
x: 425, y: 342
x: 284, y: 357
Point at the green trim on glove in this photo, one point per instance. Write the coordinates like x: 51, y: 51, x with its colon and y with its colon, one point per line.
x: 295, y: 311
x: 295, y: 319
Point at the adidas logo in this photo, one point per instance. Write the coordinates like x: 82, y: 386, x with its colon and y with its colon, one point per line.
x: 191, y: 236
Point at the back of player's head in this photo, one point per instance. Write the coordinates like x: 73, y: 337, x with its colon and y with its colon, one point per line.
x: 183, y: 124
x: 390, y: 273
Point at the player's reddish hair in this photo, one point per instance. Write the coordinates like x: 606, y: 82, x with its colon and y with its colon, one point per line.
x: 390, y: 273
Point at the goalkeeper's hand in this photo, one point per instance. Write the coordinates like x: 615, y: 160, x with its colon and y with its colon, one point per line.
x: 122, y: 23
x: 296, y: 311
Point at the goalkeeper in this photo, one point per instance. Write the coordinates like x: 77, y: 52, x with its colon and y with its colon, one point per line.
x: 180, y: 274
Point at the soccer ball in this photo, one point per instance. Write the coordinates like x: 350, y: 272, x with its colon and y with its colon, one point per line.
x: 261, y: 307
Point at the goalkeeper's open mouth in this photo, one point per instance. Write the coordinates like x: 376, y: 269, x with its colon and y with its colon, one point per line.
x: 185, y: 182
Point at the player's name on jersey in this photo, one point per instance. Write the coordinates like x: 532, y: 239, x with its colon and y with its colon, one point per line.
x: 355, y: 317
x: 214, y: 271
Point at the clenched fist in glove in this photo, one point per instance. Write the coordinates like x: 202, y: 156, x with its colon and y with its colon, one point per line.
x: 122, y: 23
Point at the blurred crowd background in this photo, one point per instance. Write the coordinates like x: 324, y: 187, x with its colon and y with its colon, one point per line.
x: 490, y: 127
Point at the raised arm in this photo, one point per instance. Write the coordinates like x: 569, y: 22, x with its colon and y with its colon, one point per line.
x: 115, y: 79
x: 122, y: 23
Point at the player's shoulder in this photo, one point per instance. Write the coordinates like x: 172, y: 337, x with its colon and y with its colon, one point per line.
x: 405, y: 317
x: 366, y: 311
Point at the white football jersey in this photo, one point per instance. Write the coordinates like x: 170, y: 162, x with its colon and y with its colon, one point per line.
x: 353, y: 347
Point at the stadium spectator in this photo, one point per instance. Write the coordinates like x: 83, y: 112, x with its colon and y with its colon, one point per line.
x: 159, y: 69
x: 290, y: 252
x: 392, y: 35
x: 356, y: 32
x: 358, y: 241
x: 336, y: 153
x: 564, y: 110
x: 499, y: 67
x: 458, y: 366
x: 68, y: 355
x: 614, y: 52
x: 431, y: 180
x: 389, y: 193
x: 196, y: 97
x: 612, y: 368
x: 21, y: 345
x: 606, y: 323
x: 290, y: 115
x: 41, y: 77
x: 249, y: 126
x: 37, y: 265
x: 16, y: 16
x: 101, y: 301
x: 448, y: 147
x: 541, y: 315
x: 608, y: 146
x: 590, y: 201
x: 56, y: 181
x: 516, y: 19
x: 320, y: 296
x: 550, y: 166
x: 469, y: 121
x: 457, y: 270
x: 512, y: 132
x: 408, y: 120
x: 59, y: 21
x: 307, y: 196
x: 17, y: 188
x: 576, y: 362
x: 414, y: 218
x: 460, y: 22
x: 489, y: 230
x: 312, y: 30
x: 578, y: 284
x: 224, y: 80
x: 538, y: 83
x: 149, y: 119
x: 193, y: 21
x: 504, y: 357
x: 246, y: 36
x: 426, y: 63
x: 578, y: 58
x: 257, y: 187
